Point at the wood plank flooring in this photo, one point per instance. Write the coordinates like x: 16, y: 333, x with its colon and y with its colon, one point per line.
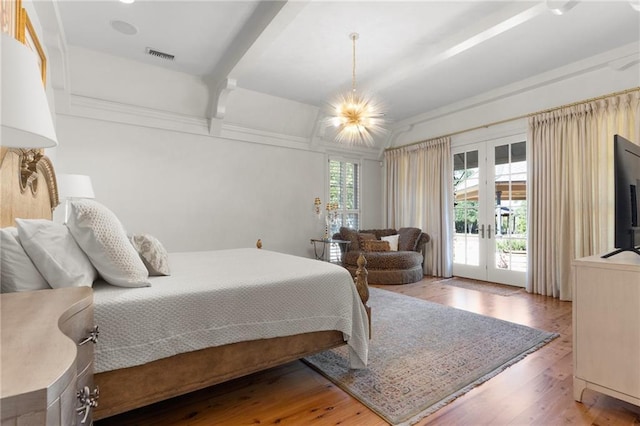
x: 535, y: 391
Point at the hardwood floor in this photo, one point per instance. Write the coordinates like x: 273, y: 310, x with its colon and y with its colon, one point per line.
x: 535, y: 391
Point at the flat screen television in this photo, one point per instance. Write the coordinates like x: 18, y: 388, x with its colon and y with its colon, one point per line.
x: 626, y: 170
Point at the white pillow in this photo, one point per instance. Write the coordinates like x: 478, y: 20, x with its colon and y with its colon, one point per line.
x: 17, y: 271
x: 153, y: 254
x: 103, y: 238
x: 393, y: 241
x: 55, y: 253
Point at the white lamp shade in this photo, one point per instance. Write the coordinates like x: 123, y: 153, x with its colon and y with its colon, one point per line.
x: 74, y: 186
x: 25, y: 115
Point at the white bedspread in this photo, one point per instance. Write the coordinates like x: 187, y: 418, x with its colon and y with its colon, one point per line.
x: 218, y: 297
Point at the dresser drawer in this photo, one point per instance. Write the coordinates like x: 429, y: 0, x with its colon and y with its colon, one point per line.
x: 68, y: 403
x: 85, y: 380
x: 39, y: 336
x: 78, y: 327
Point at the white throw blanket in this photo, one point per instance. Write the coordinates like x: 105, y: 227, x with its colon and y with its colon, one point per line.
x: 218, y: 297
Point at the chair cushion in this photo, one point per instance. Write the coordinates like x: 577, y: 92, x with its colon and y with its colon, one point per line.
x: 408, y: 238
x: 376, y: 245
x: 351, y: 235
x: 387, y: 259
x: 379, y: 233
x: 362, y: 237
x: 392, y: 240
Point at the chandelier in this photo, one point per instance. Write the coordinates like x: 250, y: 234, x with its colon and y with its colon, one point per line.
x: 356, y: 116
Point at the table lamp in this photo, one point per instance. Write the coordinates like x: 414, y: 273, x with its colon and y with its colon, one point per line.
x: 25, y: 115
x: 73, y: 187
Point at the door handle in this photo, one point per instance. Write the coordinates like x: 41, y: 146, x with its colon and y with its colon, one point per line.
x: 488, y: 232
x: 481, y: 231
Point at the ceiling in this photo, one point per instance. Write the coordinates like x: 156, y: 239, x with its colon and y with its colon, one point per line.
x: 413, y: 56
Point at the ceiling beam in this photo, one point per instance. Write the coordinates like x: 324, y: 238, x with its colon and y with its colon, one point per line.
x: 277, y: 24
x: 265, y: 23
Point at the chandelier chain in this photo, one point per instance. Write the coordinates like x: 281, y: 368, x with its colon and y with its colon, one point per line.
x: 354, y: 37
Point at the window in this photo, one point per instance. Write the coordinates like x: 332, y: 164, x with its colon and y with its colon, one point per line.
x: 344, y: 192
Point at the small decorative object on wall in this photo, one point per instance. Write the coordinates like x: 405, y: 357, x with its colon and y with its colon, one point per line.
x: 10, y: 17
x: 29, y: 159
x: 316, y: 204
x: 28, y: 36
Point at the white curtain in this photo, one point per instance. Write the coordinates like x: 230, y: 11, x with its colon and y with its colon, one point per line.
x: 571, y: 196
x: 420, y: 194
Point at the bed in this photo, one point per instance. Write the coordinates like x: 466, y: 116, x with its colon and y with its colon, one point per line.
x: 157, y: 359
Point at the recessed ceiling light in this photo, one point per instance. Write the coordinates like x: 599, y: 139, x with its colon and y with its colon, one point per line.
x: 124, y: 27
x: 127, y: 1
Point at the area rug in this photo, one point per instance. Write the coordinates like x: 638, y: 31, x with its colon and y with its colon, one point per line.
x: 423, y: 355
x: 499, y: 289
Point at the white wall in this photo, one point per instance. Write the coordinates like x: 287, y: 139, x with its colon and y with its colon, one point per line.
x: 100, y: 76
x: 197, y: 192
x: 154, y: 162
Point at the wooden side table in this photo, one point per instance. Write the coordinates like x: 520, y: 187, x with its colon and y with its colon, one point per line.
x: 322, y: 244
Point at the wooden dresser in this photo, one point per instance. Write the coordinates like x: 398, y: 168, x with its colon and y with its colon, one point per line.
x: 606, y: 326
x: 47, y: 374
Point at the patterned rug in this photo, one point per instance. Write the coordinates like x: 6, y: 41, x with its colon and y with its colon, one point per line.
x: 424, y: 355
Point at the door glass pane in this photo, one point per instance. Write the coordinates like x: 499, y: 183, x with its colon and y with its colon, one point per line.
x: 510, y: 224
x: 466, y: 180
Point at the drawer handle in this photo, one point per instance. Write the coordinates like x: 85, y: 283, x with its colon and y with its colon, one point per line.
x: 87, y: 401
x: 92, y: 337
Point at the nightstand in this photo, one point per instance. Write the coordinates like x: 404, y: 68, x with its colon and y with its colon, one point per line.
x: 325, y: 254
x: 47, y: 357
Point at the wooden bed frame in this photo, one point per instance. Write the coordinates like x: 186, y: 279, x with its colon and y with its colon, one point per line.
x: 29, y: 190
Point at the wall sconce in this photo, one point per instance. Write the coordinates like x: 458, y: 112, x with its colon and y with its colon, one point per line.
x: 73, y: 187
x: 316, y: 205
x: 25, y: 116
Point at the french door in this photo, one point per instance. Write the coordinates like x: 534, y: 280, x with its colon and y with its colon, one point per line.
x: 490, y: 211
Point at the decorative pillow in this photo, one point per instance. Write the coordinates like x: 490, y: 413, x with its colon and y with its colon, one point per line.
x: 349, y: 234
x: 153, y: 254
x: 392, y: 240
x: 408, y: 238
x: 103, y: 238
x: 17, y: 271
x: 55, y: 253
x: 362, y: 237
x: 376, y: 245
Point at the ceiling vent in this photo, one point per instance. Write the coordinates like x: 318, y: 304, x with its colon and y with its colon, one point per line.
x: 161, y: 55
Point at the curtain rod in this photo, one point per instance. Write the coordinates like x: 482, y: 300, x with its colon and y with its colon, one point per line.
x: 495, y: 123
